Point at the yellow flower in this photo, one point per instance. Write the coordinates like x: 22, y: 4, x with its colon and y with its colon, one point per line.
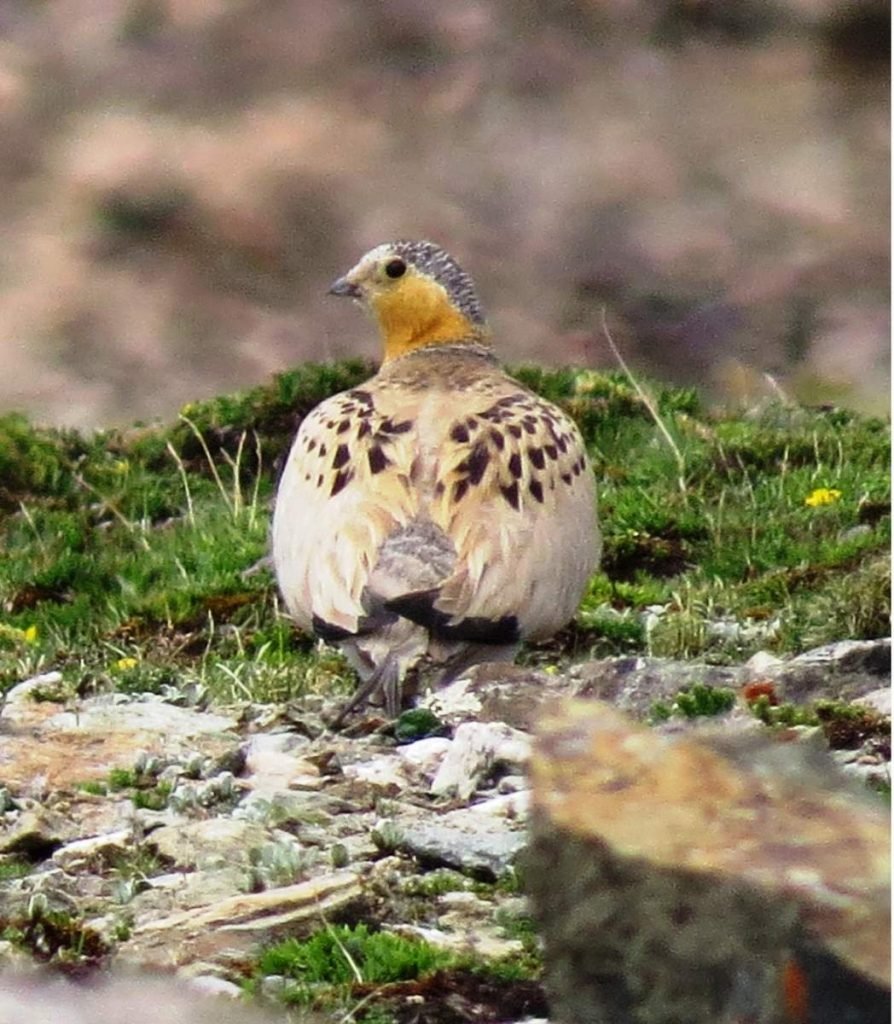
x: 822, y: 496
x: 121, y: 466
x: 18, y: 636
x: 124, y: 664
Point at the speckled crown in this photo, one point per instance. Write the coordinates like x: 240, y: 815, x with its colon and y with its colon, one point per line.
x: 432, y: 260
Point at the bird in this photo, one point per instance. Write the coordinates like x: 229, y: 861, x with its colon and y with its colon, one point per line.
x: 441, y: 513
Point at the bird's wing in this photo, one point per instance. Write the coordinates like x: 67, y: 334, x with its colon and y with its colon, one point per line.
x: 516, y: 496
x: 470, y: 513
x: 344, y: 490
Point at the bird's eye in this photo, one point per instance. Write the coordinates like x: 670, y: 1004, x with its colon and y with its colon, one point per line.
x: 395, y: 268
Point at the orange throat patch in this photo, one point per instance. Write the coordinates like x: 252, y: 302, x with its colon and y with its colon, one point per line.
x: 420, y: 314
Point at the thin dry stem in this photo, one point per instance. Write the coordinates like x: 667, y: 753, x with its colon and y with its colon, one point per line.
x: 649, y: 404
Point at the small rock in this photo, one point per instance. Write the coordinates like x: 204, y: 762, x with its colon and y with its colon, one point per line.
x: 879, y: 700
x: 209, y: 985
x: 761, y: 663
x: 82, y: 852
x: 207, y: 844
x: 482, y: 840
x: 424, y: 756
x: 464, y: 936
x: 477, y: 747
x: 24, y: 692
x: 384, y: 771
x: 853, y: 532
x: 35, y: 834
x: 225, y: 932
x: 513, y: 784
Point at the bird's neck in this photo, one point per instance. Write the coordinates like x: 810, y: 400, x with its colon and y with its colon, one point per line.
x: 423, y: 320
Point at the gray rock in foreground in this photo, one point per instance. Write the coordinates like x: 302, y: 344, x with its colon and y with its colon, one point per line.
x: 702, y: 880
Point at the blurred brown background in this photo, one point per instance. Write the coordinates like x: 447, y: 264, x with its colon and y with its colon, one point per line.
x: 181, y: 179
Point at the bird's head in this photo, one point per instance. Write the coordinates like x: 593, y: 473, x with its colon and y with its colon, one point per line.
x: 418, y: 295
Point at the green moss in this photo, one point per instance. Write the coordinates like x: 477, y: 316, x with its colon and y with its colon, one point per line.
x: 93, y: 787
x: 782, y: 714
x: 339, y: 956
x: 57, y: 937
x: 845, y: 726
x: 436, y: 883
x: 145, y: 791
x: 13, y: 868
x: 122, y: 778
x: 850, y: 725
x: 153, y: 799
x: 416, y: 724
x: 696, y: 701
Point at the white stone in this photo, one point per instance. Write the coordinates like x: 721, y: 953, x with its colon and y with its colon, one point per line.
x: 476, y: 748
x: 425, y: 756
x: 878, y: 700
x: 762, y: 662
x: 24, y: 691
x: 208, y: 985
x: 81, y: 851
x: 453, y: 702
x: 144, y: 716
x: 384, y: 770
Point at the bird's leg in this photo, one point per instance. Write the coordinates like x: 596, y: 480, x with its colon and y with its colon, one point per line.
x: 385, y: 676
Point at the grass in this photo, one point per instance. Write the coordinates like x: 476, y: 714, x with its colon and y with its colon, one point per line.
x: 367, y: 972
x: 323, y: 968
x: 133, y: 559
x: 697, y: 701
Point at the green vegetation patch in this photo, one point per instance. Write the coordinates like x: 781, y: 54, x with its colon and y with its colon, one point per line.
x: 326, y: 965
x: 135, y: 559
x: 697, y: 701
x: 371, y: 973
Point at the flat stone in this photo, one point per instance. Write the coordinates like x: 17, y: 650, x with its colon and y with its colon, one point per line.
x: 215, y: 842
x: 80, y: 853
x: 482, y: 840
x: 387, y: 772
x: 36, y: 833
x: 423, y: 758
x: 275, y: 762
x: 23, y: 696
x: 100, y: 715
x: 841, y: 671
x: 879, y: 700
x: 634, y: 684
x: 58, y: 749
x: 231, y: 930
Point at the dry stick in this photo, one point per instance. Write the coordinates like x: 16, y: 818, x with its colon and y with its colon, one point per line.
x: 649, y: 404
x: 191, y: 516
x: 352, y: 963
x: 29, y: 519
x: 257, y: 485
x: 211, y: 465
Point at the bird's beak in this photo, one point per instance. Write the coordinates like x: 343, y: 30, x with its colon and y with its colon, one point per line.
x: 345, y: 287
